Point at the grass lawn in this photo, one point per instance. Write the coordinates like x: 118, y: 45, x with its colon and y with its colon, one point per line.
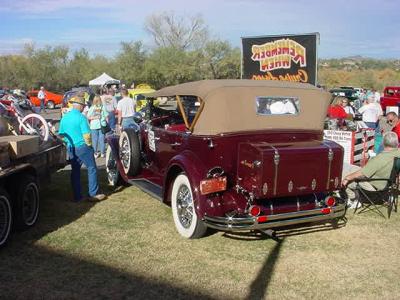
x: 127, y: 247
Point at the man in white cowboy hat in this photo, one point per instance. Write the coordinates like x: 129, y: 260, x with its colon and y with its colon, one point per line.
x: 75, y: 129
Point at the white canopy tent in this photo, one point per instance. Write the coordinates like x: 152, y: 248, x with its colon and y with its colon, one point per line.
x: 102, y: 79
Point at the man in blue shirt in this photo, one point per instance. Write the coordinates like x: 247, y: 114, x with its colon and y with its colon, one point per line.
x: 75, y: 129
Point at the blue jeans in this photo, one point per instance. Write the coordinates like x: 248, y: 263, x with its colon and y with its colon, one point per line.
x: 112, y: 120
x: 78, y: 156
x: 98, y: 141
x: 42, y: 107
x: 370, y: 124
x: 129, y: 123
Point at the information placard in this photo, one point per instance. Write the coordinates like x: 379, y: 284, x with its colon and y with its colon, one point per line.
x: 343, y: 138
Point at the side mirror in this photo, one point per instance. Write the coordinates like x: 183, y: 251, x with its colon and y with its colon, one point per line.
x: 138, y: 118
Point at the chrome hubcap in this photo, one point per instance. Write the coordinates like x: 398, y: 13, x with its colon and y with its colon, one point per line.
x: 184, y: 204
x: 125, y: 152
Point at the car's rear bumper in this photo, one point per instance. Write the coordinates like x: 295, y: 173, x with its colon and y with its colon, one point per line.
x: 273, y: 221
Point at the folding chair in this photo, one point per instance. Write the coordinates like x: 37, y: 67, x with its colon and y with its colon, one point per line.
x: 373, y: 200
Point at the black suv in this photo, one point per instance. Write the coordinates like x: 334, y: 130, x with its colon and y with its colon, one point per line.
x: 350, y: 94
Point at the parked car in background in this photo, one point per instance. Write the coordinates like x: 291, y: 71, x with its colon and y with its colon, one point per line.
x: 391, y: 97
x: 233, y: 155
x: 357, y: 90
x: 143, y: 90
x: 52, y: 99
x: 349, y: 93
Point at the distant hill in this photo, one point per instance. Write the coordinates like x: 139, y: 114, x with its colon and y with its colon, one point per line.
x: 359, y: 63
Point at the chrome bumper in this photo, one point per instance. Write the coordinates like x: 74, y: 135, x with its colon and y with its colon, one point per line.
x: 278, y: 220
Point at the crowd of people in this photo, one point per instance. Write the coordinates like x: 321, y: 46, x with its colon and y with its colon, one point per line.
x: 370, y: 111
x: 84, y: 130
x: 367, y: 114
x: 387, y: 138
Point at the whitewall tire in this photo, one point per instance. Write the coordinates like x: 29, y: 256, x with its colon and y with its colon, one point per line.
x: 186, y: 221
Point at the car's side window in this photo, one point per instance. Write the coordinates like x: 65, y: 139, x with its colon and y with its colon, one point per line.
x: 271, y: 105
x: 390, y: 92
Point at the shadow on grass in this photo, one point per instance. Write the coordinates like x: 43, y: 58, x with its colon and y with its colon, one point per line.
x: 29, y: 270
x: 56, y: 208
x: 259, y: 286
x: 310, y: 228
x: 35, y: 272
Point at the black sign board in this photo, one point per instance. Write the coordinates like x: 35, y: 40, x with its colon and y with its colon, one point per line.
x: 280, y: 57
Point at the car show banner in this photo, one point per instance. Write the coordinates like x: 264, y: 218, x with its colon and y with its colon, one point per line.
x: 280, y: 57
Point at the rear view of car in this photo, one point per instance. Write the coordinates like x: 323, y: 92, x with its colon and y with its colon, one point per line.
x: 234, y: 155
x: 391, y: 97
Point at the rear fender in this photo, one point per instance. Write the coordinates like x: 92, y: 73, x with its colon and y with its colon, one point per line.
x: 194, y: 169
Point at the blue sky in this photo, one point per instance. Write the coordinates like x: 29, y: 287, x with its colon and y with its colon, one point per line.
x: 369, y: 28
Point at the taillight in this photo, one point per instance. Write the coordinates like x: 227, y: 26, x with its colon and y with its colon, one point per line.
x: 254, y: 210
x: 212, y: 185
x: 330, y: 201
x: 326, y: 210
x: 262, y: 219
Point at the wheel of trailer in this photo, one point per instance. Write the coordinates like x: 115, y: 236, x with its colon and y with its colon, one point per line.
x: 27, y: 205
x: 184, y: 213
x: 129, y: 151
x: 35, y: 124
x: 113, y: 177
x: 5, y: 217
x: 50, y: 104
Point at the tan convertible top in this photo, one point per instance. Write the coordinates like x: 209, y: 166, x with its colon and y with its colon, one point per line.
x: 230, y: 105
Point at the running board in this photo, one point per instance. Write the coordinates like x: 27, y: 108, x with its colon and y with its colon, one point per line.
x: 148, y: 187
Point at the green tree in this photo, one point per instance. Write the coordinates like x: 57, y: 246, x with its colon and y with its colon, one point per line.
x: 221, y: 60
x: 47, y: 66
x: 129, y: 62
x: 169, y: 66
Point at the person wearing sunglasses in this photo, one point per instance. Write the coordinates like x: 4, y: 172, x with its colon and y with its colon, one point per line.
x: 393, y: 120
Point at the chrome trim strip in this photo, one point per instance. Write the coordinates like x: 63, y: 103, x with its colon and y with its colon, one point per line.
x: 250, y: 223
x: 330, y: 159
x: 276, y: 163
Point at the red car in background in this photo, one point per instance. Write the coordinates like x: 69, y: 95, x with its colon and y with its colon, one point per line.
x: 391, y: 97
x: 51, y: 101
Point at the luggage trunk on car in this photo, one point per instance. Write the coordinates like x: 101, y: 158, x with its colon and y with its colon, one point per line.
x: 271, y: 170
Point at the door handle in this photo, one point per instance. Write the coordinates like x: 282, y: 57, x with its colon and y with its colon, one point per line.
x: 156, y: 138
x: 175, y: 144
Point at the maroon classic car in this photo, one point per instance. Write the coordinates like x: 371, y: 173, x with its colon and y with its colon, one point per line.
x: 233, y: 155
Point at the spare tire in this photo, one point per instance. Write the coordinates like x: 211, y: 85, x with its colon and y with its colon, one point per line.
x: 129, y: 151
